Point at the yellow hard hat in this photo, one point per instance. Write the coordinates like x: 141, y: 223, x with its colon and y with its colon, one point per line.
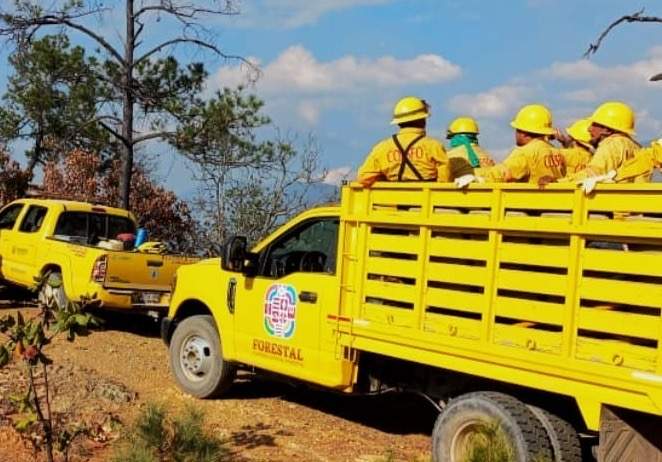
x: 534, y: 118
x: 153, y: 247
x: 615, y: 115
x: 410, y: 108
x: 579, y: 131
x: 463, y: 125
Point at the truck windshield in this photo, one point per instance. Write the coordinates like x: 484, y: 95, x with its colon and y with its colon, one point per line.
x: 91, y: 227
x: 9, y: 215
x: 309, y: 248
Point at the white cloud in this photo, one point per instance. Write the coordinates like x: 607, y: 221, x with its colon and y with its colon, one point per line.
x: 585, y: 95
x: 634, y: 74
x: 293, y: 13
x: 495, y: 102
x: 309, y: 112
x: 296, y: 70
x: 648, y: 125
x: 337, y: 175
x: 303, y: 85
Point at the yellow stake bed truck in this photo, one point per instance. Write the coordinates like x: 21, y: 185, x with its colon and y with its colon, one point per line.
x: 537, y: 311
x: 63, y: 242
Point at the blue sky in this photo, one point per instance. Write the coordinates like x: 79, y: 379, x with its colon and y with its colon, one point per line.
x: 334, y: 68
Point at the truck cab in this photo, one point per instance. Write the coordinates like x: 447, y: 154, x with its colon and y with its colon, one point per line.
x: 278, y: 300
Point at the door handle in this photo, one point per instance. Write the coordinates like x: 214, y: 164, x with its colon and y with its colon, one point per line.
x: 308, y: 297
x: 231, y: 294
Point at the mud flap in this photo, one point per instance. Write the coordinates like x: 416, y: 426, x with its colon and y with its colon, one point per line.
x: 629, y: 436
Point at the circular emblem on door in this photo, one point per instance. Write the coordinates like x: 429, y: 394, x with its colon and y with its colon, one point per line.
x: 280, y: 307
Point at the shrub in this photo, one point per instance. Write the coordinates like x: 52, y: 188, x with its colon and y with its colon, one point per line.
x: 155, y: 437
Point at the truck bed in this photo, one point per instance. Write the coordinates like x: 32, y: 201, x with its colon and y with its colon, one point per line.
x: 548, y: 289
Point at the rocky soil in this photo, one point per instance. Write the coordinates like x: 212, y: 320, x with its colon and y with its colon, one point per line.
x: 100, y: 383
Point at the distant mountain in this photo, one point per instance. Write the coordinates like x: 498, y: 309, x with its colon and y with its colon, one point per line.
x: 318, y: 193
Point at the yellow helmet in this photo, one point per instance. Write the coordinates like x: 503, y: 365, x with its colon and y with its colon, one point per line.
x: 153, y: 247
x: 463, y: 125
x: 410, y: 108
x: 579, y: 131
x: 615, y: 115
x: 534, y: 118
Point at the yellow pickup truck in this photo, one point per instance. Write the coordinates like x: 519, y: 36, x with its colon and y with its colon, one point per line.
x: 69, y: 243
x: 535, y: 311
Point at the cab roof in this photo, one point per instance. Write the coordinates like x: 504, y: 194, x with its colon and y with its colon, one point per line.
x: 75, y: 206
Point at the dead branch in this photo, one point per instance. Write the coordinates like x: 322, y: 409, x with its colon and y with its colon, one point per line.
x: 635, y: 17
x: 194, y: 41
x: 29, y: 26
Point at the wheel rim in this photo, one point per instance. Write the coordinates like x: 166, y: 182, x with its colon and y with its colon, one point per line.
x: 466, y: 437
x: 195, y: 358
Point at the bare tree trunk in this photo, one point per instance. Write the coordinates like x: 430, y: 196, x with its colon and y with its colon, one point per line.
x: 127, y: 112
x: 37, y: 153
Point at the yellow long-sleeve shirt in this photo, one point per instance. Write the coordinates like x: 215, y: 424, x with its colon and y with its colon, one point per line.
x: 459, y: 160
x: 528, y: 163
x: 576, y: 158
x: 611, y: 154
x: 640, y: 168
x: 427, y: 156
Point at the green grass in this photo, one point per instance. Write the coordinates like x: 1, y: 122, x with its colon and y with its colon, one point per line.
x: 489, y: 443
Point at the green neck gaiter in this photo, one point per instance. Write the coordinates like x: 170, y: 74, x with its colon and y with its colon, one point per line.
x: 466, y: 140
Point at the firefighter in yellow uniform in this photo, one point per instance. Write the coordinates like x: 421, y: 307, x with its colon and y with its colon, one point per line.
x: 642, y: 165
x: 578, y: 153
x: 410, y: 155
x: 534, y: 158
x: 612, y: 129
x: 465, y: 154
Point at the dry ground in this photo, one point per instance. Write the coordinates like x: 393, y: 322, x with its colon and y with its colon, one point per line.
x: 104, y: 379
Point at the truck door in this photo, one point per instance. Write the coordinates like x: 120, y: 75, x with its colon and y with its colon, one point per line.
x: 8, y: 218
x: 26, y: 243
x: 279, y: 313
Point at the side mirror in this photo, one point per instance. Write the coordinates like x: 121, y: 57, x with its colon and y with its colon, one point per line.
x: 234, y: 254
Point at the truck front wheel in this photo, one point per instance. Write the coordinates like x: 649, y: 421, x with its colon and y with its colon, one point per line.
x: 488, y: 426
x: 196, y: 358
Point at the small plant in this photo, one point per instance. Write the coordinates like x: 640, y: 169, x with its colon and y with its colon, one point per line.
x: 155, y: 437
x: 488, y: 443
x: 24, y: 342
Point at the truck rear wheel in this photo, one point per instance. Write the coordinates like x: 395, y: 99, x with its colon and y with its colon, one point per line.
x: 51, y: 292
x: 196, y: 358
x: 488, y: 426
x: 562, y: 436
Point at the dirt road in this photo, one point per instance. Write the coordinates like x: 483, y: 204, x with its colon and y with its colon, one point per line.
x: 105, y: 378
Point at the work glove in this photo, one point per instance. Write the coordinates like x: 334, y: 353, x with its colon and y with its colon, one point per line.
x: 465, y: 180
x: 588, y: 184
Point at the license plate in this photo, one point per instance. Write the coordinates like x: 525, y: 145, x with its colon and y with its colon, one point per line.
x: 147, y: 298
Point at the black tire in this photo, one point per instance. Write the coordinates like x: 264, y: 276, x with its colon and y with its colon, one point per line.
x: 51, y: 292
x: 563, y: 438
x: 196, y: 358
x: 472, y: 416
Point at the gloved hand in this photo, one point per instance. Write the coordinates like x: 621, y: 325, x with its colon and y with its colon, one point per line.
x: 588, y: 184
x: 465, y: 180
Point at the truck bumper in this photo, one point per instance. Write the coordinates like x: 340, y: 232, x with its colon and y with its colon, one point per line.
x: 166, y: 329
x: 126, y: 299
